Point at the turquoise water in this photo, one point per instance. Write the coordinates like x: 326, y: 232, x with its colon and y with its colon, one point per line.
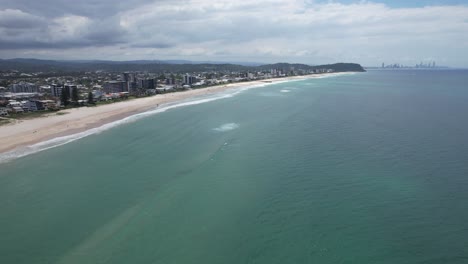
x: 363, y: 168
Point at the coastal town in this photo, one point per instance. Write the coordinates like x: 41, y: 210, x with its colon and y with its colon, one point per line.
x: 46, y: 100
x: 23, y: 93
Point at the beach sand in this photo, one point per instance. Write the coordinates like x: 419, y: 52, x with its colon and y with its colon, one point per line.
x: 75, y: 120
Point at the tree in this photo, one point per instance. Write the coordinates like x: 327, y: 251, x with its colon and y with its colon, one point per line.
x: 74, y: 94
x: 90, y: 98
x: 64, y: 97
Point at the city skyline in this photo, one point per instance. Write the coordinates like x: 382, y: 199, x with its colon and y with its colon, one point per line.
x: 311, y: 32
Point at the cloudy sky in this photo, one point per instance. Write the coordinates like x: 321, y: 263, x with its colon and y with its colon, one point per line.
x: 306, y: 31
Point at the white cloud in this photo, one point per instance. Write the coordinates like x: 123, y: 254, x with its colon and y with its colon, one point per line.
x: 67, y: 27
x: 274, y: 30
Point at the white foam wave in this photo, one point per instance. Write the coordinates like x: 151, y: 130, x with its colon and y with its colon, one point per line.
x: 285, y: 91
x: 226, y: 127
x: 336, y: 74
x: 59, y: 141
x: 269, y: 94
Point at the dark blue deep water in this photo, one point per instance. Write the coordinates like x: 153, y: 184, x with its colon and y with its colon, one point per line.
x: 363, y: 168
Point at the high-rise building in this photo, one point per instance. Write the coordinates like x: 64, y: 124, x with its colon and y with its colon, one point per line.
x: 189, y: 80
x: 170, y: 81
x: 23, y: 87
x: 128, y: 77
x: 56, y: 90
x: 115, y: 87
x: 146, y: 84
x: 70, y: 87
x: 151, y: 84
x: 130, y: 81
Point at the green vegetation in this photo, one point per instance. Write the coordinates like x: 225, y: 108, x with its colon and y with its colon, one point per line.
x: 5, y: 121
x: 30, y: 115
x: 115, y: 100
x: 342, y: 67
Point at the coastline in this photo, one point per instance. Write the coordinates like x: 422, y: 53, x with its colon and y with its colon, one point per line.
x: 76, y: 120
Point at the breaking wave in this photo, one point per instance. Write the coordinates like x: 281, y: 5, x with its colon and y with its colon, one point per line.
x: 226, y: 127
x: 59, y: 141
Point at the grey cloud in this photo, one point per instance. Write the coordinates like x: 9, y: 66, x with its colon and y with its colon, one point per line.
x: 223, y: 53
x: 154, y: 45
x: 107, y: 31
x: 62, y: 44
x: 26, y: 24
x: 33, y: 44
x: 21, y: 30
x: 105, y: 37
x: 262, y: 30
x: 17, y: 19
x: 25, y: 43
x: 89, y: 8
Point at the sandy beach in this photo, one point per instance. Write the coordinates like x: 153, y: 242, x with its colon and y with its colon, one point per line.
x: 75, y: 120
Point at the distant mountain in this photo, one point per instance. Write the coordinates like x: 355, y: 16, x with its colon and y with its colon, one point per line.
x: 342, y: 67
x: 338, y: 67
x: 242, y: 63
x: 178, y: 66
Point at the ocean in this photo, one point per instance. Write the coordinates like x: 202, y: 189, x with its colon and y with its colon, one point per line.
x: 360, y: 168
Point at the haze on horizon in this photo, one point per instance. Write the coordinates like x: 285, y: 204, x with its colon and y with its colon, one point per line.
x: 304, y: 31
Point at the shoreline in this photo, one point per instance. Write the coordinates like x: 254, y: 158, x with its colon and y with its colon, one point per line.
x: 76, y: 120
